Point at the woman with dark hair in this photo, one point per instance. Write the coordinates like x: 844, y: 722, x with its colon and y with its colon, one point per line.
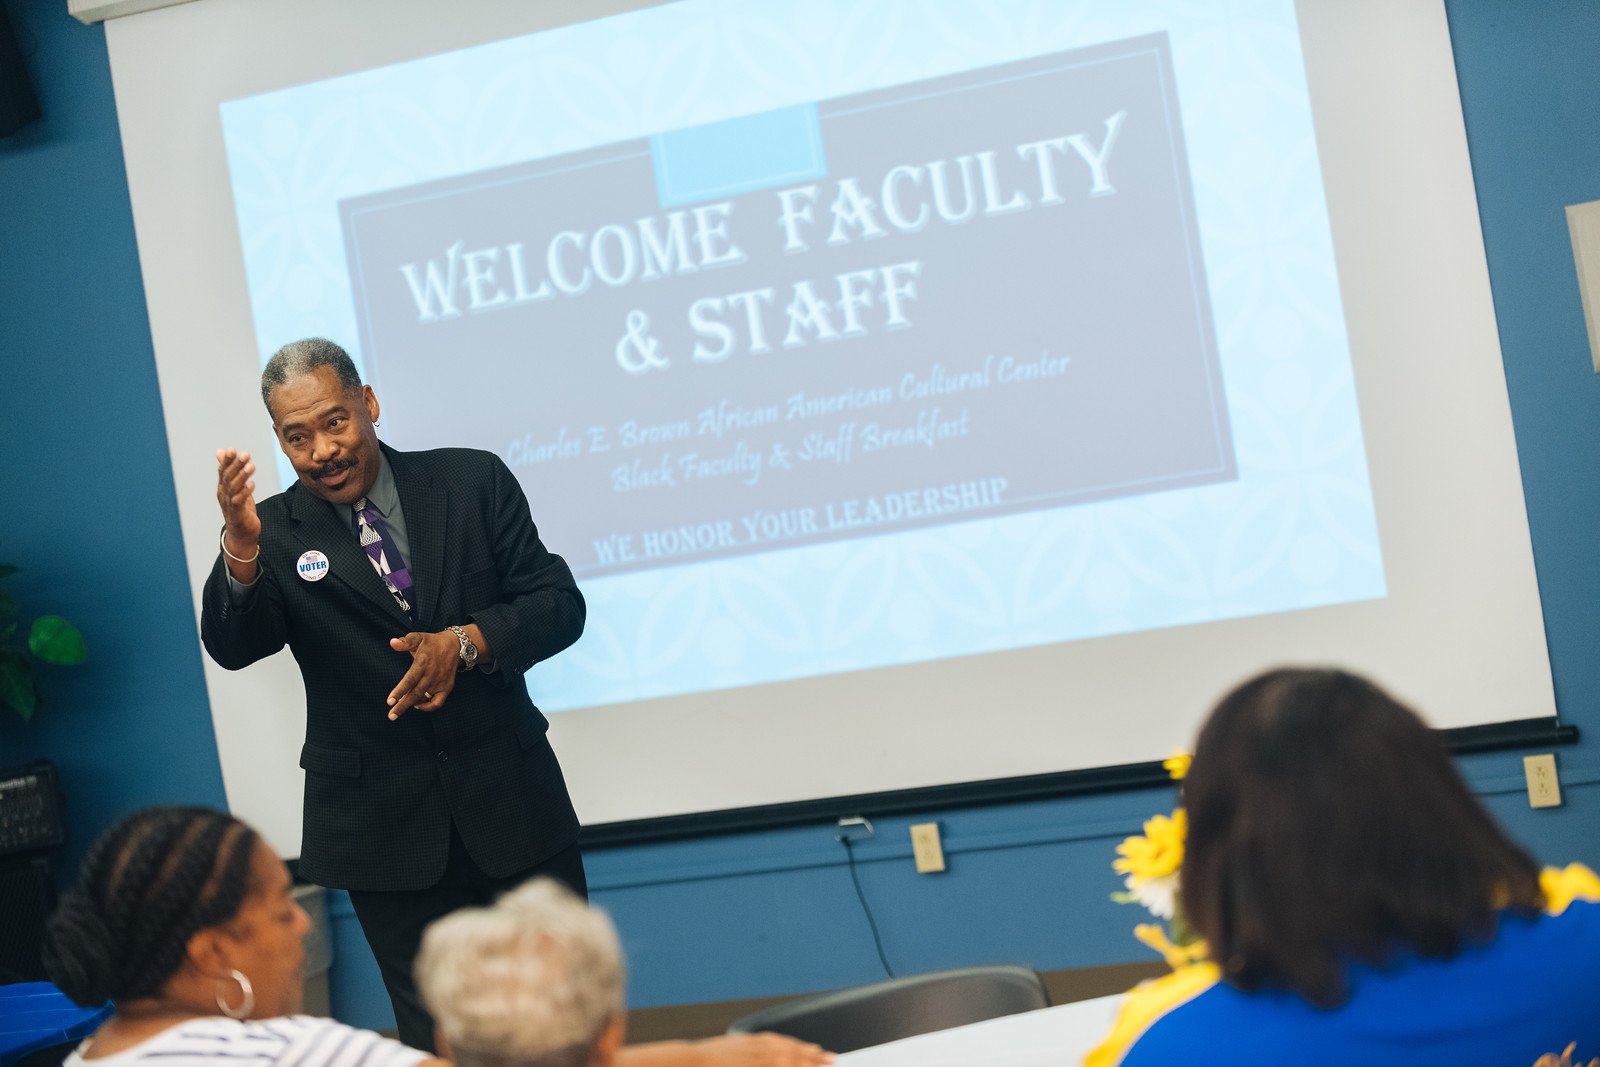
x: 183, y: 919
x: 1359, y: 905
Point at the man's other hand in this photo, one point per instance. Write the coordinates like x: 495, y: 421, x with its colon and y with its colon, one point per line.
x: 434, y: 659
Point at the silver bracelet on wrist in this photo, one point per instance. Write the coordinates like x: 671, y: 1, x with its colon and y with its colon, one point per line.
x: 469, y: 651
x: 222, y: 542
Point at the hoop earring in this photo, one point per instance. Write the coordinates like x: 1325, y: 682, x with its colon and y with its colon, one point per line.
x: 246, y: 1006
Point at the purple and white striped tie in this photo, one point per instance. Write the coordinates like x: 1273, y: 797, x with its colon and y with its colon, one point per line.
x: 386, y: 558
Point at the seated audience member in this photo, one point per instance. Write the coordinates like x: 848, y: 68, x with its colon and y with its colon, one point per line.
x: 1360, y: 905
x: 537, y: 981
x: 183, y: 919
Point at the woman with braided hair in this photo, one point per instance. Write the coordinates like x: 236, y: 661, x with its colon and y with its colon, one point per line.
x: 182, y: 917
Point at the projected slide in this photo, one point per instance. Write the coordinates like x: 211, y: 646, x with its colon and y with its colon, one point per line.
x: 947, y: 350
x: 960, y: 297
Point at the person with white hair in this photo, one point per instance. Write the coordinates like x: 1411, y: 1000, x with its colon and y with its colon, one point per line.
x: 537, y: 980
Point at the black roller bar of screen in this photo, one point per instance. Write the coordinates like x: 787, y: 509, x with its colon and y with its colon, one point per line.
x: 1494, y: 737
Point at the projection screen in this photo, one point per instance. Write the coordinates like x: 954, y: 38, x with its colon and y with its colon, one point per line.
x: 921, y: 392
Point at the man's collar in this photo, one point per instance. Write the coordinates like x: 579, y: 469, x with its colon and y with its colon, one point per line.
x: 383, y: 495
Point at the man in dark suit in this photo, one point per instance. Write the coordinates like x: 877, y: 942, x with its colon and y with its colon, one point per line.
x: 413, y: 590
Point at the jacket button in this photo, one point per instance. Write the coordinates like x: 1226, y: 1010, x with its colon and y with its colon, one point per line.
x: 444, y: 757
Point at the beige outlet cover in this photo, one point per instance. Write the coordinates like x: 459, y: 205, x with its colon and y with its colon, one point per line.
x: 1583, y: 222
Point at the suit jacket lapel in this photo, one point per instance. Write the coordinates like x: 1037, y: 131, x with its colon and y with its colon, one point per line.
x: 426, y: 506
x: 316, y: 526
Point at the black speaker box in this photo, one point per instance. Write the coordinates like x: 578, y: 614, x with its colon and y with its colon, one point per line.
x: 27, y: 895
x: 18, y: 104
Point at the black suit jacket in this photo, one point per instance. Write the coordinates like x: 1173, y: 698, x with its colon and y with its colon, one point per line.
x: 380, y: 795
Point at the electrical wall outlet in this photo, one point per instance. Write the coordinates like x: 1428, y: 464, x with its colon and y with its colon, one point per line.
x: 1583, y: 224
x: 926, y: 848
x: 1544, y: 790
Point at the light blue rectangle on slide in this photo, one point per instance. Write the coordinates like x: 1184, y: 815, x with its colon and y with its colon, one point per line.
x: 738, y: 155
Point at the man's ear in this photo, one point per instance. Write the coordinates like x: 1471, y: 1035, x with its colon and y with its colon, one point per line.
x: 605, y: 1049
x: 370, y: 398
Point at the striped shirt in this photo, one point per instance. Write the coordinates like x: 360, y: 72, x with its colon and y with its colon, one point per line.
x: 292, y: 1041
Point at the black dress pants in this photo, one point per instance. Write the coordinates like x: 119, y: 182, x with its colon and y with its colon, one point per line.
x: 394, y: 922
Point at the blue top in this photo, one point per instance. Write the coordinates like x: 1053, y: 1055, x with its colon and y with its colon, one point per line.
x: 1534, y: 989
x: 36, y: 1015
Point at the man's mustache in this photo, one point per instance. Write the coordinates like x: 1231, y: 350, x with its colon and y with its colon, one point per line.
x: 332, y: 467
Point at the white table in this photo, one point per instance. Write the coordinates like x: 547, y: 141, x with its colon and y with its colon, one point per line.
x: 1049, y: 1037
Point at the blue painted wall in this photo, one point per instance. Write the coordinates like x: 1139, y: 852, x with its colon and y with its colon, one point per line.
x: 86, y: 497
x: 87, y: 506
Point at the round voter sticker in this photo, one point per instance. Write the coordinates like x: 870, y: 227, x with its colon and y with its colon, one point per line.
x: 312, y: 565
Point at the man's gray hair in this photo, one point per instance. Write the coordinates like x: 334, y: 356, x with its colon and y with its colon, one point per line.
x: 303, y: 357
x: 531, y: 982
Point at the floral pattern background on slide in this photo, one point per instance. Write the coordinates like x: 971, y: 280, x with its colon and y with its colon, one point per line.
x: 1296, y: 530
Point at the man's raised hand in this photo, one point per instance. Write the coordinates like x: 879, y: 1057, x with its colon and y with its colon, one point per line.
x: 241, y: 526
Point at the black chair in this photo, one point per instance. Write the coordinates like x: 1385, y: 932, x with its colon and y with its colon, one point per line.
x: 849, y: 1019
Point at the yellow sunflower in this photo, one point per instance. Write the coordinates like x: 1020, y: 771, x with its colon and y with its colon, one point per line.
x: 1158, y: 853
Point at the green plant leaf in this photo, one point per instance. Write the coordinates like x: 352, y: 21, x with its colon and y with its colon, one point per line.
x: 7, y: 570
x: 55, y: 640
x: 16, y: 685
